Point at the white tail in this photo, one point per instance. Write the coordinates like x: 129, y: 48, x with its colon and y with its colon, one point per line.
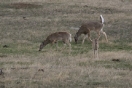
x: 55, y: 37
x: 102, y: 19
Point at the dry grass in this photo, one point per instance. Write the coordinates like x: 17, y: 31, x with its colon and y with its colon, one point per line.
x: 23, y: 28
x: 79, y: 71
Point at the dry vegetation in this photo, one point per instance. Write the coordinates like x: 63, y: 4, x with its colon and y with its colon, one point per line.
x: 25, y: 23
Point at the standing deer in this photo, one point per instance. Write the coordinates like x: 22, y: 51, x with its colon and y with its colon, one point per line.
x: 55, y: 37
x: 87, y: 27
x: 95, y: 46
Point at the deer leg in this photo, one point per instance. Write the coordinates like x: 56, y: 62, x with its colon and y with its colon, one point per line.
x: 69, y: 47
x: 105, y: 35
x: 56, y: 43
x: 84, y: 39
x: 64, y: 44
x: 89, y: 37
x: 98, y: 35
x: 97, y: 54
x: 93, y: 49
x: 63, y: 48
x: 94, y: 53
x: 67, y: 42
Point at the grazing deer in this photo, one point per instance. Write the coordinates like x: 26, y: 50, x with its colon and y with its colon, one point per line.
x: 87, y: 27
x: 55, y: 37
x: 95, y: 46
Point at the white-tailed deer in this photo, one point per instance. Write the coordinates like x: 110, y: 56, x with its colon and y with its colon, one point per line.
x: 55, y: 37
x: 95, y: 46
x: 87, y: 27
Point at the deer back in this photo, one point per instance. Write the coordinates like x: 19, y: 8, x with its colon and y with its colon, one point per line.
x: 58, y: 36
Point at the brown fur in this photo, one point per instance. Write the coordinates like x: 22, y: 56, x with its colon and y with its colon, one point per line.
x: 86, y: 28
x: 55, y: 37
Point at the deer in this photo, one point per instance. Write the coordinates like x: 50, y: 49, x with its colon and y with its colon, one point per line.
x: 65, y: 37
x: 86, y: 28
x: 95, y: 46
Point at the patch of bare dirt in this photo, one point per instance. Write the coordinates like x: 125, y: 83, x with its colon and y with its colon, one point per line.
x: 24, y: 5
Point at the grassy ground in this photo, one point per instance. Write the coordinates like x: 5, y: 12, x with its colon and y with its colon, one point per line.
x: 25, y: 24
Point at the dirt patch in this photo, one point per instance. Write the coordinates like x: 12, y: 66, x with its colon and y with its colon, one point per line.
x: 24, y: 5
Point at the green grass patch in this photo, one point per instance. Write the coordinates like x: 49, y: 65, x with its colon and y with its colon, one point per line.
x: 83, y: 64
x: 25, y: 48
x: 18, y: 49
x: 114, y: 47
x: 122, y: 64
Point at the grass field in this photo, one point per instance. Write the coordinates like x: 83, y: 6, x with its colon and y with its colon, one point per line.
x: 26, y: 23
